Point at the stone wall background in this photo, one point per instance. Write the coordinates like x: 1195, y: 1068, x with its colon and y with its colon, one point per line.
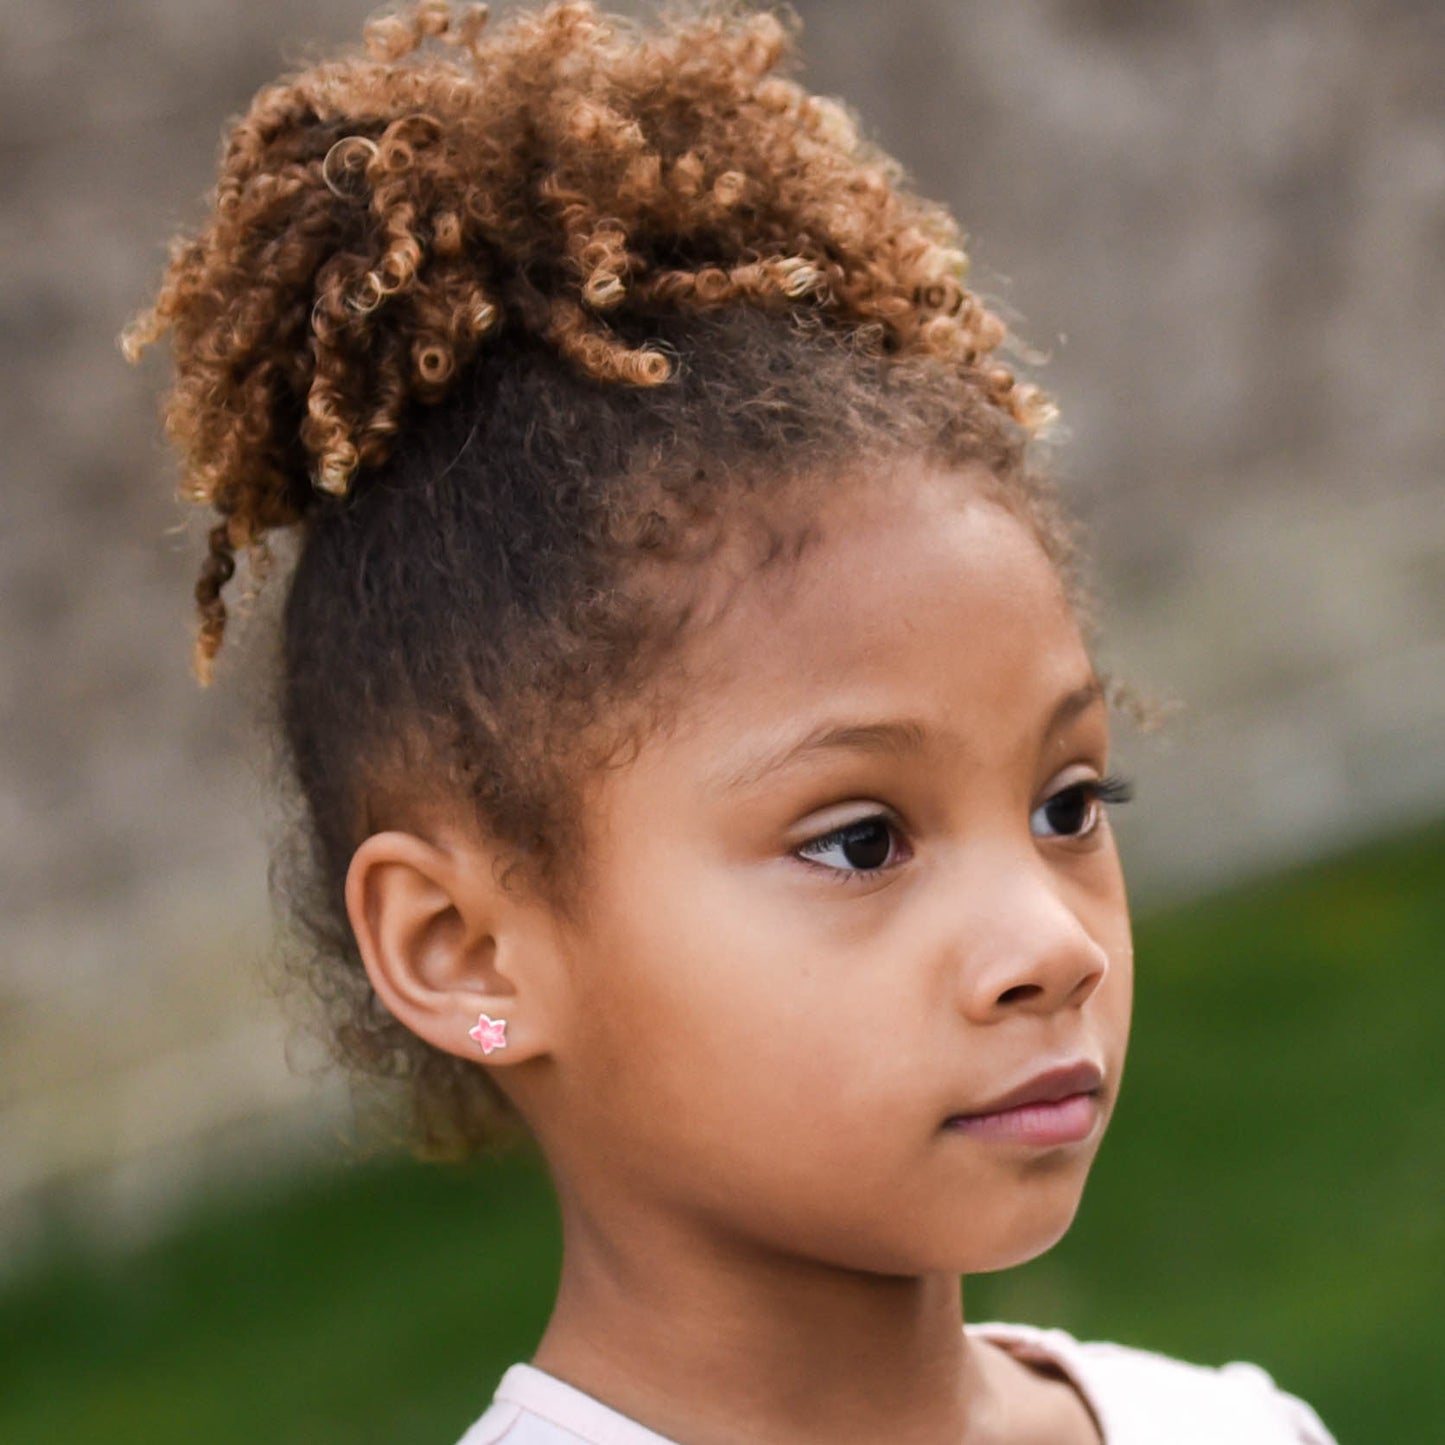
x: 1224, y: 222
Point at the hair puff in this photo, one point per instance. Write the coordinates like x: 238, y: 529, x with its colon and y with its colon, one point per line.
x: 381, y: 216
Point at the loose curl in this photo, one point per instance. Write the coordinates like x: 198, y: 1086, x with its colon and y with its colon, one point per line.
x: 491, y: 316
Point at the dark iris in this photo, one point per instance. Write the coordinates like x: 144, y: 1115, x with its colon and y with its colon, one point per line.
x: 866, y: 844
x: 1068, y: 811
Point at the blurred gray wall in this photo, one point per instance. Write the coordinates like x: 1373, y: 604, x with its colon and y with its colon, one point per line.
x: 1221, y: 221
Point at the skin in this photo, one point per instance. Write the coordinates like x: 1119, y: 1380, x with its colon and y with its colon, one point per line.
x: 740, y: 1053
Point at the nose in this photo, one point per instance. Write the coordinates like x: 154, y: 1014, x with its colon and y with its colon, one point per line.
x: 1028, y: 951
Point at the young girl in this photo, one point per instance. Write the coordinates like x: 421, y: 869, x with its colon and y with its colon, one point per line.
x: 686, y: 678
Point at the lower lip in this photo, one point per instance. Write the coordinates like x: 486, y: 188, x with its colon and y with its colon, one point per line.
x: 1065, y: 1121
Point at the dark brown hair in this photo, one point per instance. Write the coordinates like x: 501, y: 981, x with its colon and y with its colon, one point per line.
x: 498, y: 322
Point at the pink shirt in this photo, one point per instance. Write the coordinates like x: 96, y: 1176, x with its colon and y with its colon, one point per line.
x: 1138, y: 1398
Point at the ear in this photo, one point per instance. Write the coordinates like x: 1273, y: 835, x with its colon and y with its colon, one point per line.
x: 444, y: 941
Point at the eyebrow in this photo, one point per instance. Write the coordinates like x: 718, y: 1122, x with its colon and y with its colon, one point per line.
x: 894, y: 737
x: 876, y: 737
x: 1068, y: 707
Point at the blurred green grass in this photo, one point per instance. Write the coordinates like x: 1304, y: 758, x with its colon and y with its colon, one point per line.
x: 1272, y: 1189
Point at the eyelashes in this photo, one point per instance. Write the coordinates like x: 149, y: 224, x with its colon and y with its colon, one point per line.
x: 874, y: 844
x: 1114, y: 788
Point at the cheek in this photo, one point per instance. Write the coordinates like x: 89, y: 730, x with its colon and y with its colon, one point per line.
x: 1101, y: 905
x: 676, y: 972
x: 1115, y: 998
x: 712, y: 995
x: 1104, y: 911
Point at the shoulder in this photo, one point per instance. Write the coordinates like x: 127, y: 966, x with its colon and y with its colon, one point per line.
x: 532, y: 1407
x: 508, y: 1424
x: 1140, y: 1397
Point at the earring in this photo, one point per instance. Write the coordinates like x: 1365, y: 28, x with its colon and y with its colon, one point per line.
x: 489, y: 1033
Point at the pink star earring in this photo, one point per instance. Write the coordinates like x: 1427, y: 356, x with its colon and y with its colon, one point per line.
x: 489, y: 1033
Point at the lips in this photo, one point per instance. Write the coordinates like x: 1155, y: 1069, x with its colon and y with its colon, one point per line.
x: 1057, y: 1107
x: 1049, y: 1087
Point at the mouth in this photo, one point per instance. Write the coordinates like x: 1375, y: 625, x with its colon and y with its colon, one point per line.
x: 1059, y: 1106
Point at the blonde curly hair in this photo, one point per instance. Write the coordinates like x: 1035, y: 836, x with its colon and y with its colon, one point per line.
x: 486, y: 313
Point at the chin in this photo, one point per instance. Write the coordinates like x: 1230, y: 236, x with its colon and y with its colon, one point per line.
x: 1020, y: 1251
x: 1032, y: 1227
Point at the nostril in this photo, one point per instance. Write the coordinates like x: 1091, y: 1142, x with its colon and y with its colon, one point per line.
x: 1019, y: 992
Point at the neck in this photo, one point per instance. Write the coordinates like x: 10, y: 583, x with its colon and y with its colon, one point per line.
x: 757, y: 1346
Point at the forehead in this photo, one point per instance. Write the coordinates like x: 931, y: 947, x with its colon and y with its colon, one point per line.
x: 915, y: 593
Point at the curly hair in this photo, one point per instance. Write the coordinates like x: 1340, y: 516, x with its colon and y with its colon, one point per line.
x: 492, y: 317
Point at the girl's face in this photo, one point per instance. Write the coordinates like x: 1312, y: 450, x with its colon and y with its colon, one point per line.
x: 863, y: 887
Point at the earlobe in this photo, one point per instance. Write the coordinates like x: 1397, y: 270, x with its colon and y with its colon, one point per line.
x: 445, y: 947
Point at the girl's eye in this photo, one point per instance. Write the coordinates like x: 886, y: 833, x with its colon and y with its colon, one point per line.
x: 1075, y: 811
x: 862, y: 847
